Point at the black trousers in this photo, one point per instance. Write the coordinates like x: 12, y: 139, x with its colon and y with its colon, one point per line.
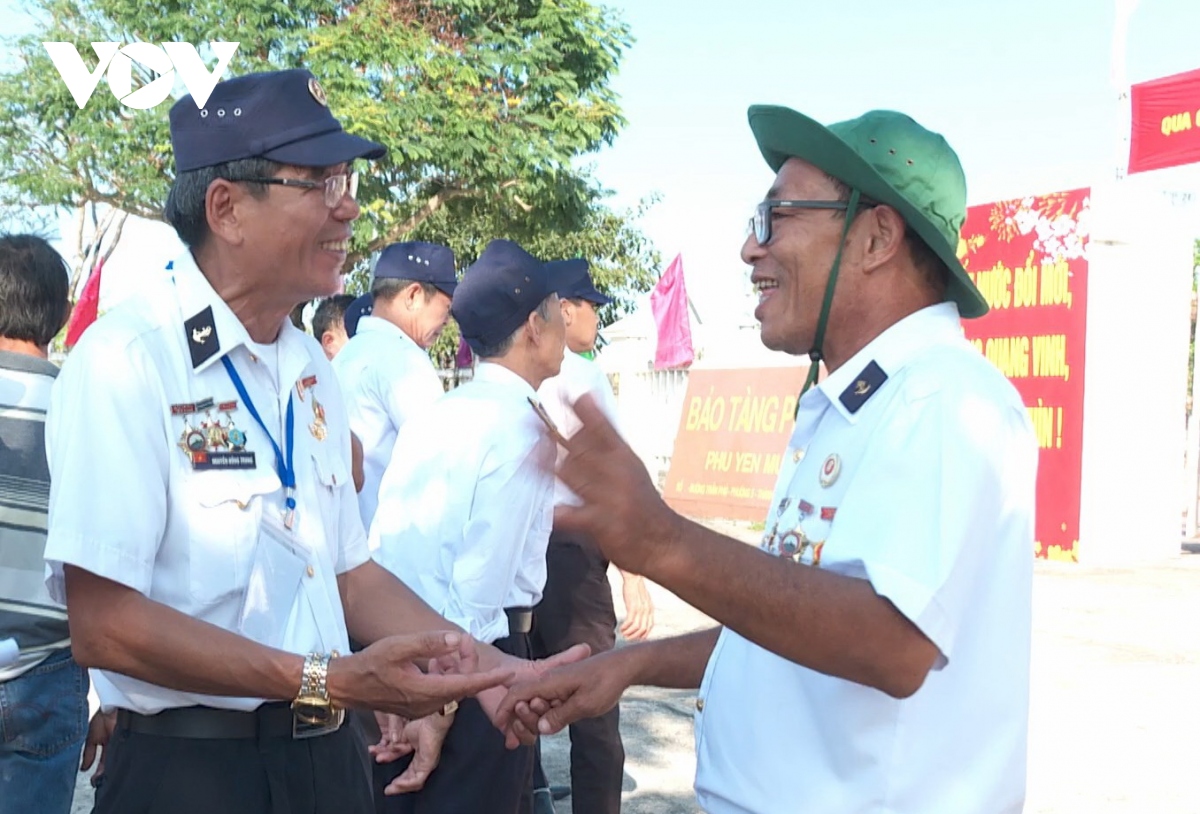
x: 156, y: 774
x: 476, y: 774
x: 576, y: 607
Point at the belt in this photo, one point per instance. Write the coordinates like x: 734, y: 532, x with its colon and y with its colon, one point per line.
x: 520, y: 620
x: 271, y: 720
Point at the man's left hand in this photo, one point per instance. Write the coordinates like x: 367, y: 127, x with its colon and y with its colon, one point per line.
x: 424, y: 737
x: 99, y: 732
x: 639, y: 608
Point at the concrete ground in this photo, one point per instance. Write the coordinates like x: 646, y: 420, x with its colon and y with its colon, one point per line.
x: 1115, y: 720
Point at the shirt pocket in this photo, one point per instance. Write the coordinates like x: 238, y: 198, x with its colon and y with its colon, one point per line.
x: 331, y: 474
x: 224, y: 529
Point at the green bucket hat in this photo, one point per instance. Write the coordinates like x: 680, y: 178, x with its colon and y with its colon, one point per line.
x: 891, y: 159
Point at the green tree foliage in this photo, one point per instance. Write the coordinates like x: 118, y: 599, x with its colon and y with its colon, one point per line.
x: 486, y: 107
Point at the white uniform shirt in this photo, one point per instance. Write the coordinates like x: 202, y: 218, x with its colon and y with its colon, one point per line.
x: 386, y: 377
x: 923, y: 484
x: 466, y: 505
x: 578, y: 376
x: 127, y: 504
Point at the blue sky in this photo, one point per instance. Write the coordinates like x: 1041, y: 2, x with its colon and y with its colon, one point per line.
x: 1021, y: 89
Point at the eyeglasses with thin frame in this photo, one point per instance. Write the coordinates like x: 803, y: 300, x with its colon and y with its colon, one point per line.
x: 336, y: 186
x: 760, y: 223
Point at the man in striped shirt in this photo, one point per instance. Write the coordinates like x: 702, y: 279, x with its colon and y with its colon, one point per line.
x: 43, y: 692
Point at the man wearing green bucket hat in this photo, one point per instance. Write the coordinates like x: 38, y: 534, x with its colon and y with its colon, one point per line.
x: 873, y: 653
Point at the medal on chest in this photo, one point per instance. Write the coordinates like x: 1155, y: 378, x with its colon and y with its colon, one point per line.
x: 213, y: 442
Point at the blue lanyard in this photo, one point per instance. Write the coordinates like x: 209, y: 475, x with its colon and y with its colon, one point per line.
x: 285, y: 466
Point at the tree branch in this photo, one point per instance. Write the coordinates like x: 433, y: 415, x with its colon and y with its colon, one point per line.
x: 112, y: 244
x: 426, y: 210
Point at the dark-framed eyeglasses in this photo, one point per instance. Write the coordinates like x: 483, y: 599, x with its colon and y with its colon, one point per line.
x: 760, y: 223
x: 336, y: 186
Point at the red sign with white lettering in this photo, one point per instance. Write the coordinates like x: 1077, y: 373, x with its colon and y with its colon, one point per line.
x: 1166, y: 122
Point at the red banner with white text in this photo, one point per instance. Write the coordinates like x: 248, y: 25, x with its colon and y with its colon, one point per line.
x: 1166, y: 122
x: 1029, y: 258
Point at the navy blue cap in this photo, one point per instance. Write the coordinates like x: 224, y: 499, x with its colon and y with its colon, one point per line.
x: 498, y: 292
x: 422, y: 262
x: 355, y: 311
x: 572, y: 281
x: 280, y: 115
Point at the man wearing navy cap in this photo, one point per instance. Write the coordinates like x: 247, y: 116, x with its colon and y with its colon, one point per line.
x: 577, y: 604
x: 465, y: 511
x: 216, y: 570
x: 385, y: 371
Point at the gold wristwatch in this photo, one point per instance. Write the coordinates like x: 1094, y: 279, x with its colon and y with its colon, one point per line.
x: 313, y: 712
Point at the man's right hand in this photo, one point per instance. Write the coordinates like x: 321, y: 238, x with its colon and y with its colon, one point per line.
x: 562, y: 696
x: 386, y: 675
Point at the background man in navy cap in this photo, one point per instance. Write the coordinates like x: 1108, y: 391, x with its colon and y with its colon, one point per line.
x: 873, y: 653
x: 465, y: 511
x: 385, y: 371
x: 215, y: 572
x: 329, y: 328
x: 577, y: 604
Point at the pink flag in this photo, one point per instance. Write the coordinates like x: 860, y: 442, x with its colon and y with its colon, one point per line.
x: 669, y: 304
x: 87, y: 307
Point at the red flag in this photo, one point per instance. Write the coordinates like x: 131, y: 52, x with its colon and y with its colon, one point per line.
x: 86, y: 308
x: 669, y: 304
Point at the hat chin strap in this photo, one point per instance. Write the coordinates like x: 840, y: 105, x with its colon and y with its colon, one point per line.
x: 816, y: 355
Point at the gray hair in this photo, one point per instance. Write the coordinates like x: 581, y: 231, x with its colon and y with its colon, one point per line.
x: 185, y: 207
x: 935, y: 273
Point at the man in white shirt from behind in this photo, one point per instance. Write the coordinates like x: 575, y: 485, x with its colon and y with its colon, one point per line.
x: 384, y: 370
x: 465, y: 510
x: 577, y: 605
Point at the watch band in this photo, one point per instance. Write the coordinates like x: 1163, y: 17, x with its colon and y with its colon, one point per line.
x: 313, y: 679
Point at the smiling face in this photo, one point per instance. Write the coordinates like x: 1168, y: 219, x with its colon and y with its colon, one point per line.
x: 432, y: 312
x: 790, y: 272
x: 294, y: 232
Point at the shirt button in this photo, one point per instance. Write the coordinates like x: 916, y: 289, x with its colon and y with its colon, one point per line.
x: 253, y: 358
x: 311, y: 571
x: 699, y: 705
x: 798, y: 456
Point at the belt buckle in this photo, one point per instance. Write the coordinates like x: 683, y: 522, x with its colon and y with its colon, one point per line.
x: 302, y: 728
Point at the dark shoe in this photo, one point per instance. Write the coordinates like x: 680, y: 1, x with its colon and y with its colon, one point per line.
x: 543, y: 803
x: 560, y: 792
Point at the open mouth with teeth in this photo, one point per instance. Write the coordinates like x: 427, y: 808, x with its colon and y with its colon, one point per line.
x: 342, y: 246
x: 764, y: 288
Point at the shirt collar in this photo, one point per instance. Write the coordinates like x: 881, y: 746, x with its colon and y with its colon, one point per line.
x: 492, y: 373
x: 197, y: 296
x: 379, y: 325
x: 892, y: 350
x: 25, y: 363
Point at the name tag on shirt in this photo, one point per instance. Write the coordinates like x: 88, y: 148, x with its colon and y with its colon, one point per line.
x: 223, y: 460
x: 272, y: 589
